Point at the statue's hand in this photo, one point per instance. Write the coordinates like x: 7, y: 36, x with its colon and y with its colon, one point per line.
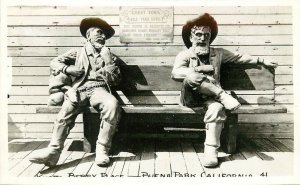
x: 106, y: 55
x: 74, y: 71
x: 204, y: 69
x: 269, y: 63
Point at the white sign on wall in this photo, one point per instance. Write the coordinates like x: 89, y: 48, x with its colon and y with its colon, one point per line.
x: 146, y: 24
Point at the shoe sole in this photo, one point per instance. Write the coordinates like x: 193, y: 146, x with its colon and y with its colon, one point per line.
x: 210, y: 166
x: 36, y: 161
x: 102, y: 164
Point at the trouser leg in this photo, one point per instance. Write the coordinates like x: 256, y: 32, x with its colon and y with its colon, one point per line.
x: 110, y: 113
x: 214, y: 119
x: 63, y: 124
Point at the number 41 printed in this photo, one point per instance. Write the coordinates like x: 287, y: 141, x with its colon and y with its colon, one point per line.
x: 264, y: 174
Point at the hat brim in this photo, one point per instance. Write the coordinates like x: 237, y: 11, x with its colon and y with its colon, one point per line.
x: 98, y: 23
x: 203, y: 20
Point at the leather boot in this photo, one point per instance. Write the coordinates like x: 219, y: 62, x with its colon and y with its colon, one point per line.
x: 212, y: 143
x: 49, y: 156
x: 228, y: 101
x: 103, y: 144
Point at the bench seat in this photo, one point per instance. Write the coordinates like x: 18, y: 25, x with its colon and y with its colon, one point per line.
x: 177, y: 109
x: 150, y: 97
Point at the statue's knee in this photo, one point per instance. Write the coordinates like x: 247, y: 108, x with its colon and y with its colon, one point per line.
x: 215, y: 113
x: 56, y: 99
x: 112, y: 105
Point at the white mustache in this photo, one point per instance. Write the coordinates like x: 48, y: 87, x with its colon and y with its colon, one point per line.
x: 99, y: 39
x: 201, y: 44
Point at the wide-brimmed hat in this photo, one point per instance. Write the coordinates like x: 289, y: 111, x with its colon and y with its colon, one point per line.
x: 202, y: 20
x: 96, y: 22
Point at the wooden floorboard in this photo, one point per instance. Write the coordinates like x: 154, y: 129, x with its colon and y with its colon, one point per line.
x: 147, y: 159
x: 254, y: 158
x: 25, y: 163
x: 127, y: 159
x: 224, y: 160
x: 246, y: 149
x: 162, y: 157
x: 162, y: 160
x: 192, y: 161
x: 120, y: 162
x: 16, y: 146
x: 279, y: 145
x: 178, y: 165
x: 33, y: 168
x: 70, y: 164
x: 134, y: 162
x: 84, y: 165
x: 114, y: 161
x: 49, y: 172
x: 288, y: 143
x: 25, y: 151
x: 121, y: 153
x: 209, y: 172
x: 96, y: 170
x: 237, y: 164
x: 273, y: 158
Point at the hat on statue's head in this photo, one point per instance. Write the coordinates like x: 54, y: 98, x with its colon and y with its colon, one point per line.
x: 96, y: 22
x: 202, y: 20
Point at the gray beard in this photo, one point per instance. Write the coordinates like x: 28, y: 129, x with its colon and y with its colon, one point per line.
x: 97, y: 46
x: 201, y: 50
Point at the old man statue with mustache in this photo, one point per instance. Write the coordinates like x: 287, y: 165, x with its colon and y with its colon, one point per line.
x: 81, y: 78
x: 199, y: 68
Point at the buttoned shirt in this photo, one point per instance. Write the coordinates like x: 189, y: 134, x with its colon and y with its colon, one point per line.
x: 96, y: 63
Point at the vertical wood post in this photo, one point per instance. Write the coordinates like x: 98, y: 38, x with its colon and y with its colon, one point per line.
x: 91, y: 126
x: 230, y: 133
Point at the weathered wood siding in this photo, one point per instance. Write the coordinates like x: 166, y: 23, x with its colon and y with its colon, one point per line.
x: 37, y: 34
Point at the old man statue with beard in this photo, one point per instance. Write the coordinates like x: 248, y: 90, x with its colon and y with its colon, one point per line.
x: 93, y: 71
x: 199, y: 68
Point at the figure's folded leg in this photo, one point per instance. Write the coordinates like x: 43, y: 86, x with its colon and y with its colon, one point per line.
x: 198, y: 82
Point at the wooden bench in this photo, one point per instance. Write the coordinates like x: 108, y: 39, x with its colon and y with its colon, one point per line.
x: 149, y: 97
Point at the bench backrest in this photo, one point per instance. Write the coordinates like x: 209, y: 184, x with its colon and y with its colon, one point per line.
x: 233, y: 77
x: 154, y: 85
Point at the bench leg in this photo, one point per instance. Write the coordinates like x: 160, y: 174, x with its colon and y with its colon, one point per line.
x: 91, y: 126
x: 230, y: 133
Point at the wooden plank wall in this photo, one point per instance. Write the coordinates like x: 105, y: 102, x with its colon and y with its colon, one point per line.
x: 37, y: 34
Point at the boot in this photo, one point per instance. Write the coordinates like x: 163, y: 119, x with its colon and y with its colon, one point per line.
x: 49, y: 156
x: 228, y: 101
x: 103, y: 144
x: 102, y: 158
x: 210, y: 156
x: 212, y: 143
